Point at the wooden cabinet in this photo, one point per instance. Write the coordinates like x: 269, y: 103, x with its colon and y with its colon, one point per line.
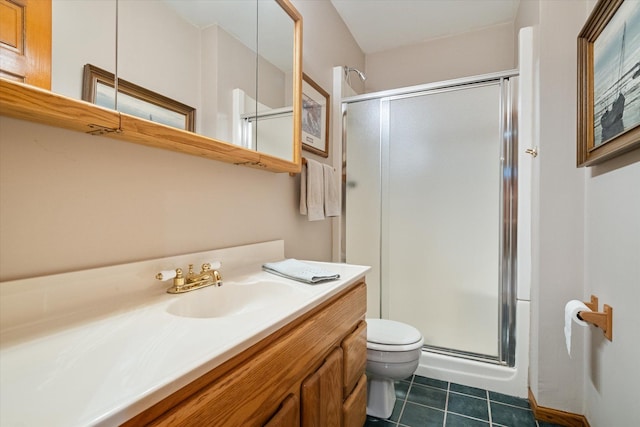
x: 322, y: 394
x: 301, y: 374
x: 336, y: 394
x: 354, y: 410
x: 354, y: 348
x: 25, y: 41
x: 288, y: 415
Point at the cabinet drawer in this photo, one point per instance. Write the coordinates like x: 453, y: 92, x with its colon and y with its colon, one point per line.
x: 354, y: 409
x: 354, y: 349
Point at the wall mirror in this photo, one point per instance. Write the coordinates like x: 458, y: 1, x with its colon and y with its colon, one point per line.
x: 232, y: 68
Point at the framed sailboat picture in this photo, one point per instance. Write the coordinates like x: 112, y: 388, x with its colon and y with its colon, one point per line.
x: 609, y: 82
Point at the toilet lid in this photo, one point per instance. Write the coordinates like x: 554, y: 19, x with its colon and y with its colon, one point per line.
x: 390, y: 332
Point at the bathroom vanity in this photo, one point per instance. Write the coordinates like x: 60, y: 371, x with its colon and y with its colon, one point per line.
x: 109, y: 346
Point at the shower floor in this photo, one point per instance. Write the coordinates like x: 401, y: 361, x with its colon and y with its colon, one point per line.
x: 427, y: 402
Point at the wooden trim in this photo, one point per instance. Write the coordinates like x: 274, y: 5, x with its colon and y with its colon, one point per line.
x: 556, y: 416
x: 26, y: 102
x: 288, y: 7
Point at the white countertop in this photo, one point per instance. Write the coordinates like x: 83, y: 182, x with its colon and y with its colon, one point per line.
x: 101, y: 364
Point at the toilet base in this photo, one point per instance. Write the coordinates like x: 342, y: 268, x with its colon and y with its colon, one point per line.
x: 381, y: 397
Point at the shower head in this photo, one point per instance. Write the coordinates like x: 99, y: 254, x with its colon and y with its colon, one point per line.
x: 360, y: 74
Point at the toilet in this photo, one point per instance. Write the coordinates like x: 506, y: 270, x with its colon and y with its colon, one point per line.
x: 393, y: 353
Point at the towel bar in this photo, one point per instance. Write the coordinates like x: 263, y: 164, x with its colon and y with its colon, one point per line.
x: 603, y: 320
x: 304, y: 162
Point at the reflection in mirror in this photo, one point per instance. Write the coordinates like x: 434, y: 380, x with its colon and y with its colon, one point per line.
x: 202, y: 54
x: 209, y: 55
x: 167, y: 47
x: 83, y: 32
x: 99, y: 89
x: 274, y: 120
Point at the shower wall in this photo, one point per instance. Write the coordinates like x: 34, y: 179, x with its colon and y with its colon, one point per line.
x: 425, y: 208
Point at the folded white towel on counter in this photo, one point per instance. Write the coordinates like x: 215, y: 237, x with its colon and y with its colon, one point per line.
x: 331, y: 192
x: 312, y: 191
x: 301, y: 271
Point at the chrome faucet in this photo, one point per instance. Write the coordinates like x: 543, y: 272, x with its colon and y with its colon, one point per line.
x: 208, y: 276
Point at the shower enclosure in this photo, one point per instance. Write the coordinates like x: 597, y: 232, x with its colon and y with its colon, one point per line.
x: 430, y: 204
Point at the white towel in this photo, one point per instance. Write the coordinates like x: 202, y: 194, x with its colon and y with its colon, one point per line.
x: 303, y: 190
x: 301, y: 271
x: 312, y: 191
x: 331, y: 194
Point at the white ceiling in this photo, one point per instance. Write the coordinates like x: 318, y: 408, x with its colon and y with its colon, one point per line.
x: 379, y: 25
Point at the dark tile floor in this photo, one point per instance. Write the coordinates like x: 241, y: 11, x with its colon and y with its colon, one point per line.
x: 426, y: 402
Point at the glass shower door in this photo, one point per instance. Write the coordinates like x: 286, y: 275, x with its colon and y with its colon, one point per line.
x: 430, y: 204
x: 441, y: 216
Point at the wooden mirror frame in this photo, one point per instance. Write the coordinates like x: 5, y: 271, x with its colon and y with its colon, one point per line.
x: 31, y: 103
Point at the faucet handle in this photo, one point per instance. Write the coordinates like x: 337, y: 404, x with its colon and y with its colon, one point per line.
x: 213, y: 265
x: 169, y: 274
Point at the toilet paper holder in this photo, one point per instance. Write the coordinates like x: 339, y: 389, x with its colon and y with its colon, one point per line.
x: 603, y: 320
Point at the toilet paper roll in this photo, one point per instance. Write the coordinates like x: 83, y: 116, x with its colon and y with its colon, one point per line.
x: 571, y: 311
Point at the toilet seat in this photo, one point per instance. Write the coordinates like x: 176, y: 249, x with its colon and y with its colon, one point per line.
x: 389, y: 335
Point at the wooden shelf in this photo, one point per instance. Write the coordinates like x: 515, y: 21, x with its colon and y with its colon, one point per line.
x: 30, y: 103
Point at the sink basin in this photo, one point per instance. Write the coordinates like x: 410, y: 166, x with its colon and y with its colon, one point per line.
x: 231, y: 299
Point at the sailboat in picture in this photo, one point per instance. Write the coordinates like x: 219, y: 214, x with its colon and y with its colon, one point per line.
x: 611, y: 120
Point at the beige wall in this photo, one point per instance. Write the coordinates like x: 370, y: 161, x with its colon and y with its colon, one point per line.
x: 93, y: 42
x: 586, y: 241
x: 489, y: 50
x: 328, y: 42
x: 558, y: 226
x: 69, y: 201
x: 612, y: 272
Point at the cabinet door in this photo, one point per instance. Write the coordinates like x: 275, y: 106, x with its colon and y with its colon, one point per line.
x: 322, y: 394
x: 288, y: 415
x: 354, y: 352
x: 354, y: 410
x: 25, y: 41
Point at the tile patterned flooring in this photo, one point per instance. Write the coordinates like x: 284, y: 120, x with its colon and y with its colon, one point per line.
x: 426, y: 402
